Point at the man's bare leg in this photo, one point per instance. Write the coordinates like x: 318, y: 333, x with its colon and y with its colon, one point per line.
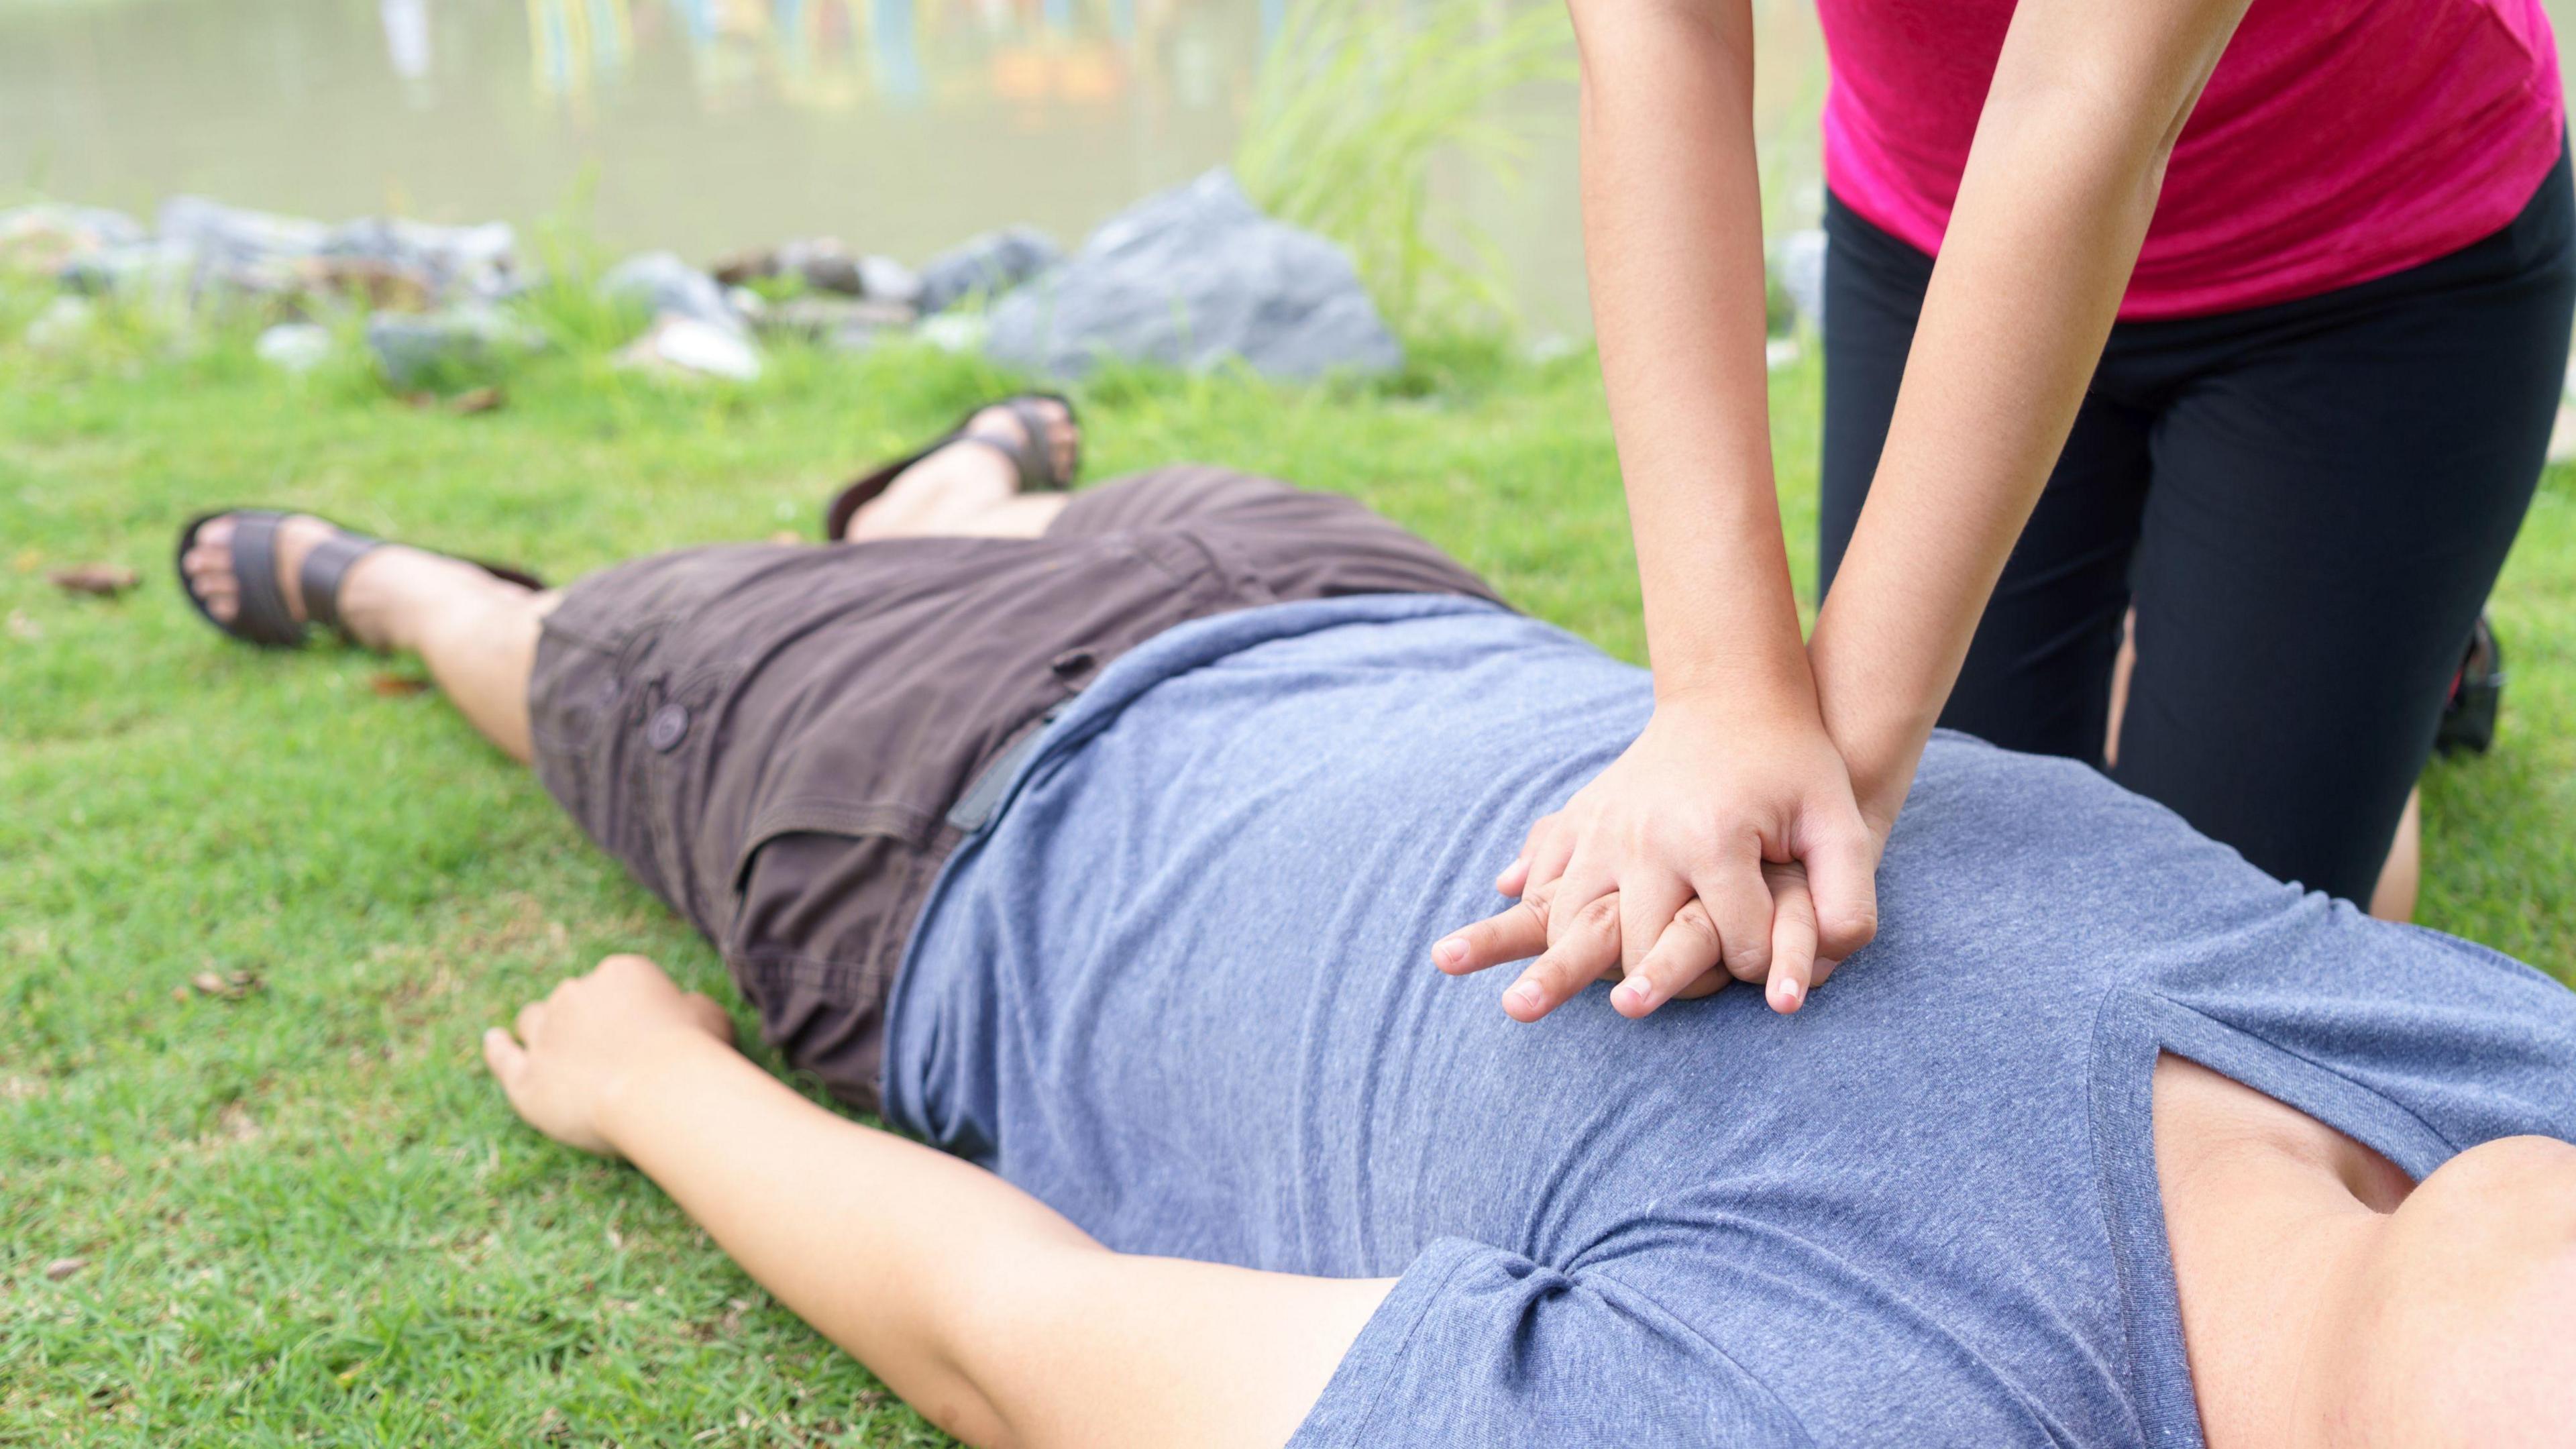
x: 478, y: 634
x: 967, y: 489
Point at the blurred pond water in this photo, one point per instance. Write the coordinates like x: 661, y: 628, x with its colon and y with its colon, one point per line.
x: 706, y: 125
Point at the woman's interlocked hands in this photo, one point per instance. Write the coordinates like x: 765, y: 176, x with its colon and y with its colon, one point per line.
x: 1724, y: 845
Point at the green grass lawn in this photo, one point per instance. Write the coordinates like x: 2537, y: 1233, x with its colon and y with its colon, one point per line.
x: 306, y: 1216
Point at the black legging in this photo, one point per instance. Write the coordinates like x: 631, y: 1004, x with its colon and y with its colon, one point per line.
x: 2307, y: 503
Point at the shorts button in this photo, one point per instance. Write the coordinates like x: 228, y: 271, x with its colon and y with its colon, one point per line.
x: 669, y: 726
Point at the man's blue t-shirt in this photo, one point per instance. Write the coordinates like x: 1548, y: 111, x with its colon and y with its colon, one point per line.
x: 1180, y: 990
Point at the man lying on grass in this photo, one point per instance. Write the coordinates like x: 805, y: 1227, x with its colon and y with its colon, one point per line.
x: 1158, y: 797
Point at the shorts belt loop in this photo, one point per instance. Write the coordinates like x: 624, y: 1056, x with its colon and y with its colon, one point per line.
x: 983, y: 800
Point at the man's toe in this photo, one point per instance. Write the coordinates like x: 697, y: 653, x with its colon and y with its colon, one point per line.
x: 1061, y: 437
x: 209, y: 566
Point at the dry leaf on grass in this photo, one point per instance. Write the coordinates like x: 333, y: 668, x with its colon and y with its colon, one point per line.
x: 104, y: 580
x: 465, y: 404
x: 227, y: 986
x: 396, y: 686
x: 61, y: 1268
x: 234, y: 1122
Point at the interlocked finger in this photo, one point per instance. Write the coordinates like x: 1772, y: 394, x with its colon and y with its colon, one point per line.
x: 1515, y: 933
x: 1646, y: 908
x: 1739, y: 905
x: 1793, y: 937
x: 1542, y: 860
x: 1585, y: 948
x: 1686, y: 950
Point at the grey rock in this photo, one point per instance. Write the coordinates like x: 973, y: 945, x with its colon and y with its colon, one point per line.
x: 735, y: 269
x: 666, y: 286
x: 65, y: 322
x: 821, y: 263
x: 148, y: 268
x: 295, y: 346
x: 683, y: 345
x: 1192, y: 276
x: 990, y: 264
x: 45, y: 237
x: 845, y: 323
x: 231, y: 252
x: 450, y: 263
x: 229, y: 236
x: 883, y: 279
x: 956, y: 331
x: 1802, y: 274
x: 418, y: 349
x: 824, y: 265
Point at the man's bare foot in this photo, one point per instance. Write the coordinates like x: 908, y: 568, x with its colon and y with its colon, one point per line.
x: 966, y: 477
x: 209, y: 566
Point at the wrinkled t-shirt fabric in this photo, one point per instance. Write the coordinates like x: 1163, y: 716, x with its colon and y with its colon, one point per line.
x: 1179, y: 989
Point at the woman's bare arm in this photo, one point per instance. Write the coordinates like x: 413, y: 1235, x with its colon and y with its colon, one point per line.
x: 1656, y: 867
x: 2070, y: 152
x: 989, y: 1312
x: 1672, y: 237
x: 2087, y: 101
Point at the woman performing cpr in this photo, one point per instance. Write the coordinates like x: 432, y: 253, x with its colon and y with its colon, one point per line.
x: 2252, y: 319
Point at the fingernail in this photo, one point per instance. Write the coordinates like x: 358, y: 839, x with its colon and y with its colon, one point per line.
x: 1450, y: 952
x: 1788, y: 993
x: 1523, y: 995
x: 1637, y: 991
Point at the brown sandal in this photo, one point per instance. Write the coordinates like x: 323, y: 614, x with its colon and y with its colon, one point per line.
x: 262, y: 617
x: 1029, y: 454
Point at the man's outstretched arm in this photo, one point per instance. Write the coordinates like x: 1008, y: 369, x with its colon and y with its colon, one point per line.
x: 985, y: 1309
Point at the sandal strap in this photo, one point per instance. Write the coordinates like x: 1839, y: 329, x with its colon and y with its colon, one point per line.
x: 325, y: 567
x: 1035, y: 463
x: 1037, y: 470
x: 1029, y: 463
x: 260, y: 614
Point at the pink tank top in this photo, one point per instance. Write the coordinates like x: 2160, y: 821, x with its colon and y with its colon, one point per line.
x: 2339, y: 140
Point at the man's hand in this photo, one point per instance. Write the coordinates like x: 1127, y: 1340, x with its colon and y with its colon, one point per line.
x: 1686, y: 864
x: 575, y: 1049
